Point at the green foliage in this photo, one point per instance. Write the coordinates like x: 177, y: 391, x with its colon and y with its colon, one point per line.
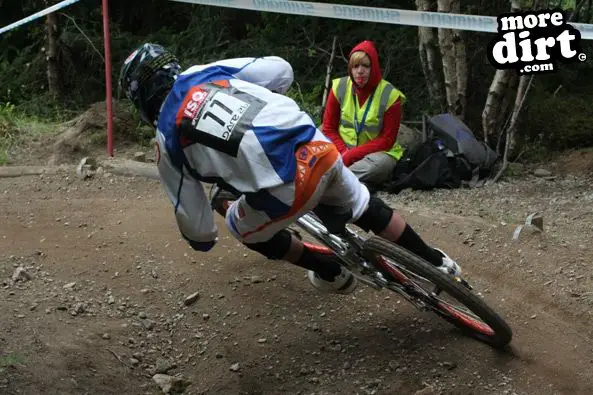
x: 558, y: 113
x: 559, y: 122
x: 564, y: 4
x: 200, y: 34
x: 308, y: 101
x: 10, y: 360
x: 7, y: 130
x: 514, y: 170
x: 6, y: 119
x: 17, y: 127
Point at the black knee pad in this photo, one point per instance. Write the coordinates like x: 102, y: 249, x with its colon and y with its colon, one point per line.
x: 377, y: 216
x: 275, y: 248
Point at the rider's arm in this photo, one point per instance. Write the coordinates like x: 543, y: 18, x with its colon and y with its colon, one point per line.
x: 331, y: 122
x: 192, y: 208
x: 271, y: 72
x: 384, y: 141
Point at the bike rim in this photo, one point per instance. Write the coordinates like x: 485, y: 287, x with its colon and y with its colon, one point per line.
x: 466, y: 319
x: 470, y: 321
x: 317, y: 248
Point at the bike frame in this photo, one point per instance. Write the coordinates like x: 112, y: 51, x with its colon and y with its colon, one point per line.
x: 347, y: 247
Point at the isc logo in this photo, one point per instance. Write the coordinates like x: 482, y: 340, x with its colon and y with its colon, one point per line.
x: 194, y: 100
x: 532, y: 42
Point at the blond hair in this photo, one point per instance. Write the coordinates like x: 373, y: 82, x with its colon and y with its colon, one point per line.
x: 357, y: 58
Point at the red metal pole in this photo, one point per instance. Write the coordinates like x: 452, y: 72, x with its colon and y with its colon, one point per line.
x: 108, y: 77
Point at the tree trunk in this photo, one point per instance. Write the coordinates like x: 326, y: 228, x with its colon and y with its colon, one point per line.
x: 430, y: 58
x: 519, y: 100
x: 493, y: 113
x: 327, y: 87
x: 502, y: 119
x: 498, y: 99
x: 454, y: 58
x: 461, y: 71
x: 54, y: 77
x: 522, y: 89
x: 575, y: 16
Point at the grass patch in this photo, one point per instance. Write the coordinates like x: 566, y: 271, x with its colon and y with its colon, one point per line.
x: 10, y: 360
x: 514, y: 170
x: 3, y: 158
x: 18, y: 131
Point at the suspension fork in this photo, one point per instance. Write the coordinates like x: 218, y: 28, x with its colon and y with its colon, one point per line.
x: 347, y: 248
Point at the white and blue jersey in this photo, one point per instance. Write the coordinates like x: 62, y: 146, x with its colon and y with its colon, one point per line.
x: 222, y: 122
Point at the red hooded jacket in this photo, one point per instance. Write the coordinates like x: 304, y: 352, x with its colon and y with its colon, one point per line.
x: 391, y: 118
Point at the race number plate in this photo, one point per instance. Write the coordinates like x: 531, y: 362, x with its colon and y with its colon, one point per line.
x: 218, y: 117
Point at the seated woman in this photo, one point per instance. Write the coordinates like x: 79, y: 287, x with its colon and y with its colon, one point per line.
x: 362, y: 117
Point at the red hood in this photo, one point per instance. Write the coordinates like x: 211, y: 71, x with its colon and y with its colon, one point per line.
x: 369, y: 48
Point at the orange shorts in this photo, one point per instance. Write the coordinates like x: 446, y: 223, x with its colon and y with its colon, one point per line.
x: 321, y: 177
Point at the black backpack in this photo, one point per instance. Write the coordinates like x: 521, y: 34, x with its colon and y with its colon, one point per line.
x: 475, y: 155
x: 426, y: 166
x: 448, y: 157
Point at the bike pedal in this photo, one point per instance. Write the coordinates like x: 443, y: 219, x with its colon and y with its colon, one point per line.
x: 463, y: 282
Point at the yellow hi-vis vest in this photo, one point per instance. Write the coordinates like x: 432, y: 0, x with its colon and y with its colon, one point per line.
x: 368, y: 118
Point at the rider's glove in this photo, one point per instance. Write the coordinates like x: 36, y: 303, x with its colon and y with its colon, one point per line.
x: 203, y: 246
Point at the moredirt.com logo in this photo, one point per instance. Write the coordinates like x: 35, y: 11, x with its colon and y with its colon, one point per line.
x: 533, y: 42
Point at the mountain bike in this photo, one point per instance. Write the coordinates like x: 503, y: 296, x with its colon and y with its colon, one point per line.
x: 381, y: 264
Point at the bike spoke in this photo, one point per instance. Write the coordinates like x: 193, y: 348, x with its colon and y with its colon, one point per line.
x: 432, y: 297
x: 470, y: 321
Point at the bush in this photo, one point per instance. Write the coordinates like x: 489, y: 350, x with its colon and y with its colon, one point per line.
x: 6, y: 119
x: 558, y: 122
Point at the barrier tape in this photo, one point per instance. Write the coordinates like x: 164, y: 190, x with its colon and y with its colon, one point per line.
x: 39, y: 14
x: 374, y: 14
x: 341, y: 11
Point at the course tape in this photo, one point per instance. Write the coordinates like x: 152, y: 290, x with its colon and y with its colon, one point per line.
x: 340, y: 11
x: 39, y: 14
x: 374, y: 14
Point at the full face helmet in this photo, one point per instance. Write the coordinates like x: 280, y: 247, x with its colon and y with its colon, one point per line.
x: 146, y: 78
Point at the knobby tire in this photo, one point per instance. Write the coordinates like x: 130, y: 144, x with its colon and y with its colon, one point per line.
x: 500, y: 334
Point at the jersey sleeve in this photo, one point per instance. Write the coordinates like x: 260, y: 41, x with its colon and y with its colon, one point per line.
x: 193, y: 213
x: 271, y: 72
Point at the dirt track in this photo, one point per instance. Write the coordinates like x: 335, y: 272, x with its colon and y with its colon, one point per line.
x: 124, y: 318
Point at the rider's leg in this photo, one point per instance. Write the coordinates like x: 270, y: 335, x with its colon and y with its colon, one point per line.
x: 284, y: 246
x: 385, y: 222
x: 259, y: 220
x: 379, y: 218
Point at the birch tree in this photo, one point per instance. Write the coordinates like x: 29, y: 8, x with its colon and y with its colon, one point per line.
x: 498, y: 100
x: 54, y: 77
x: 452, y: 47
x: 430, y: 58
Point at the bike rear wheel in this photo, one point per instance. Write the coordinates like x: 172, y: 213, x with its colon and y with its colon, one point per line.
x: 476, y: 319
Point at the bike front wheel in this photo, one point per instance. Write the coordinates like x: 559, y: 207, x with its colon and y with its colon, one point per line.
x: 425, y: 284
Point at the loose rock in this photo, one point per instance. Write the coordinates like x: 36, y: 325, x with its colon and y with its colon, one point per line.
x: 171, y: 384
x: 20, y: 274
x: 191, y: 299
x: 139, y: 156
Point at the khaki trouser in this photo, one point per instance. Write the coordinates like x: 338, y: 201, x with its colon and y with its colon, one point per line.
x: 375, y: 168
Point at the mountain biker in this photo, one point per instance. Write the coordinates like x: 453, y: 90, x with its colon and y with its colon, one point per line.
x: 223, y: 123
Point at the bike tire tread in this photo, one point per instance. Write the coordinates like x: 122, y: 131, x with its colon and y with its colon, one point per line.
x: 502, y: 332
